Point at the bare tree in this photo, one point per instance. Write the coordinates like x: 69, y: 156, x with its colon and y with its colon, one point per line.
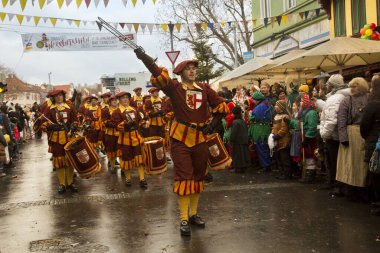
x: 233, y: 12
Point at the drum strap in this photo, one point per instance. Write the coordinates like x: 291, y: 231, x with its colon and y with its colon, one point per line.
x: 191, y: 125
x: 61, y: 119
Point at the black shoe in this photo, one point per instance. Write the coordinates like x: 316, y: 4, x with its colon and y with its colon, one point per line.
x: 143, y: 184
x: 113, y: 170
x: 61, y: 189
x: 185, y: 228
x: 209, y: 178
x: 117, y: 163
x: 128, y: 183
x: 73, y: 188
x: 197, y: 221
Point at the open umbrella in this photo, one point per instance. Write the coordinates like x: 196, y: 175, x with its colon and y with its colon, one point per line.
x: 337, y: 53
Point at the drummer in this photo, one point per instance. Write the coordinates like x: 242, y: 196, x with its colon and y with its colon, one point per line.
x: 83, y: 108
x: 103, y: 106
x: 127, y: 121
x: 189, y: 150
x: 111, y: 133
x: 62, y: 120
x: 92, y: 122
x: 137, y: 100
x: 153, y: 108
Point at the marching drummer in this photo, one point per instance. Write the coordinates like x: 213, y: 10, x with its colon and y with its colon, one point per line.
x: 83, y: 108
x: 103, y: 106
x: 189, y: 150
x: 111, y: 133
x: 127, y: 121
x: 153, y: 108
x: 92, y: 122
x: 137, y: 100
x: 61, y: 120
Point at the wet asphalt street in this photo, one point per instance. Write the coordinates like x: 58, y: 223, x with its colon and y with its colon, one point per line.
x: 244, y: 213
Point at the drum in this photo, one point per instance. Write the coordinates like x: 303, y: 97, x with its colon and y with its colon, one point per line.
x: 82, y: 157
x: 154, y: 155
x: 37, y: 123
x: 218, y: 158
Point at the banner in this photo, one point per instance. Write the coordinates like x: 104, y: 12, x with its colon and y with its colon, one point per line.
x: 40, y: 42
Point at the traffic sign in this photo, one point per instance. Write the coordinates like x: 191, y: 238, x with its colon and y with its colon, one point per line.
x: 172, y: 55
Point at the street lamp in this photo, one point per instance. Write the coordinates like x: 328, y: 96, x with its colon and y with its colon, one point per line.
x: 49, y: 74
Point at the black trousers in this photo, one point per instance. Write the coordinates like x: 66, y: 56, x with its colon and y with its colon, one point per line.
x: 284, y: 162
x: 332, y: 148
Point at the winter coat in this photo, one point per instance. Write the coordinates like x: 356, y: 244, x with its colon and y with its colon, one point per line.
x: 310, y: 123
x: 329, y: 122
x: 239, y: 132
x: 350, y: 113
x: 281, y: 128
x: 370, y: 127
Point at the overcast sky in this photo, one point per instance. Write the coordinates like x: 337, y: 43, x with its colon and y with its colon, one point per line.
x: 78, y: 67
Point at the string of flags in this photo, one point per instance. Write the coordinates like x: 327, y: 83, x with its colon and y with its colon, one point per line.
x: 79, y: 3
x: 171, y: 27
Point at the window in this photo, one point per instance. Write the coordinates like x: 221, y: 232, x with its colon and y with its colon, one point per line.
x: 358, y: 15
x: 378, y: 11
x: 265, y: 8
x: 288, y: 4
x: 339, y: 18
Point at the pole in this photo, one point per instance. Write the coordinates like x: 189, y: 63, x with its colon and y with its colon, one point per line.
x: 171, y: 43
x: 49, y: 81
x: 235, y: 46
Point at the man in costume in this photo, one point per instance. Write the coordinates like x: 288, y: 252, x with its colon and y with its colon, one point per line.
x: 92, y: 122
x: 127, y: 121
x: 153, y: 108
x: 103, y: 106
x: 61, y: 121
x: 137, y: 100
x: 83, y: 108
x: 191, y: 102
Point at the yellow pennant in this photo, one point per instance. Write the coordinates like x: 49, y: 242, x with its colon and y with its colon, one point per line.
x: 5, y: 2
x: 2, y: 16
x: 223, y: 23
x: 134, y: 2
x: 178, y: 26
x: 254, y: 22
x: 41, y: 3
x: 154, y: 1
x: 20, y: 18
x: 204, y: 26
x: 36, y: 20
x: 136, y: 26
x: 23, y: 4
x: 60, y: 3
x: 77, y: 23
x: 284, y: 19
x: 164, y: 27
x: 53, y: 21
x: 79, y: 2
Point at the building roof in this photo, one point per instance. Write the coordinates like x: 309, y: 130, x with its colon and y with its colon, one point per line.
x: 65, y: 87
x: 15, y: 85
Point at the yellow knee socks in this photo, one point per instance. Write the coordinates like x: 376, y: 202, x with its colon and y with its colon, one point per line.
x: 113, y: 162
x: 194, y: 199
x: 184, y: 202
x: 141, y: 172
x: 127, y: 174
x: 61, y: 176
x: 69, y: 175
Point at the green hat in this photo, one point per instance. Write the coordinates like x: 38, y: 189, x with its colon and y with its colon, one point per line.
x: 257, y: 95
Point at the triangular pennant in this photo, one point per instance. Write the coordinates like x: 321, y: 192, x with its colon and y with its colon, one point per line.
x: 92, y: 22
x: 105, y: 3
x: 10, y: 16
x: 317, y: 11
x: 204, y: 26
x: 136, y: 27
x: 60, y: 3
x: 157, y: 27
x: 154, y: 1
x: 143, y: 1
x: 23, y: 4
x: 122, y: 25
x: 96, y: 2
x: 12, y: 2
x: 87, y: 2
x: 178, y: 26
x: 53, y: 21
x: 265, y: 22
x: 49, y: 2
x: 290, y: 18
x: 28, y: 18
x: 5, y: 2
x: 254, y: 22
x: 272, y: 21
x: 210, y: 25
x: 129, y: 26
x: 99, y: 25
x: 79, y: 3
x: 229, y: 24
x: 84, y: 22
x: 301, y: 15
x: 150, y: 28
x: 2, y: 16
x: 77, y: 22
x: 164, y: 27
x: 143, y: 26
x: 125, y: 3
x: 223, y: 23
x: 217, y: 26
x: 306, y: 14
x: 69, y: 21
x: 45, y: 19
x: 115, y: 25
x: 36, y: 20
x: 284, y: 19
x: 198, y: 27
x: 68, y: 2
x: 171, y: 27
x: 41, y: 3
x: 134, y: 2
x: 278, y: 19
x: 20, y: 18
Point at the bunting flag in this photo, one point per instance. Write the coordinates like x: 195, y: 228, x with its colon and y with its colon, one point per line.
x: 60, y: 3
x: 2, y: 16
x: 28, y: 18
x: 36, y: 20
x: 5, y: 2
x: 279, y: 19
x: 41, y: 3
x: 68, y: 2
x: 122, y: 25
x: 164, y: 27
x: 125, y: 3
x: 204, y: 26
x: 20, y: 18
x: 96, y: 2
x: 10, y: 16
x: 306, y: 14
x: 79, y: 3
x: 171, y: 28
x: 53, y: 21
x: 143, y: 26
x: 23, y: 4
x: 49, y: 2
x: 69, y: 21
x: 254, y: 22
x: 301, y: 14
x: 317, y: 12
x: 143, y: 1
x: 178, y: 26
x: 136, y: 27
x: 265, y: 22
x: 154, y: 1
x: 150, y: 28
x: 77, y: 22
x: 134, y: 2
x: 105, y: 3
x: 284, y: 19
x: 129, y: 26
x: 272, y: 21
x: 87, y: 2
x: 198, y: 26
x: 45, y: 19
x: 12, y: 2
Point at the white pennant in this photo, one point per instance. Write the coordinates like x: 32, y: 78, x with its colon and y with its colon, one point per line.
x: 183, y: 28
x: 49, y: 1
x: 217, y: 26
x: 143, y: 26
x: 96, y: 2
x: 69, y: 21
x: 45, y: 19
x: 92, y: 22
x: 115, y: 25
x: 157, y: 27
x: 68, y: 2
x: 84, y: 22
x: 10, y: 16
x: 28, y: 18
x: 129, y: 26
x: 150, y: 28
x: 125, y: 3
x: 12, y: 2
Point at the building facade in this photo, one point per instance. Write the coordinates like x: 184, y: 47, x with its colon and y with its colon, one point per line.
x: 305, y: 25
x: 126, y: 82
x: 22, y: 93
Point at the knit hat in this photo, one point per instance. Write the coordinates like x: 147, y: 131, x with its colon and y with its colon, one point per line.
x: 335, y: 80
x: 237, y: 110
x: 258, y: 96
x: 282, y: 105
x: 304, y: 88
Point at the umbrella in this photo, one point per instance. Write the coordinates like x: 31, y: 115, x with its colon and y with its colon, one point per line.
x: 338, y: 53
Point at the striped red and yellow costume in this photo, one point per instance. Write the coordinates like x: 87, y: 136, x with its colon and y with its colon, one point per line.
x: 153, y: 107
x: 111, y: 134
x: 92, y: 119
